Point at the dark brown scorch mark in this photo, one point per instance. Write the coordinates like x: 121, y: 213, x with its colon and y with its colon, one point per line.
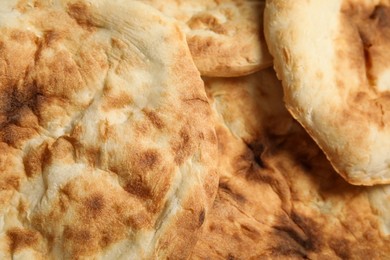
x: 33, y: 160
x: 202, y: 217
x: 182, y: 147
x: 21, y: 238
x: 154, y: 119
x: 94, y: 205
x: 139, y: 189
x: 79, y: 11
x: 149, y: 160
x: 257, y: 149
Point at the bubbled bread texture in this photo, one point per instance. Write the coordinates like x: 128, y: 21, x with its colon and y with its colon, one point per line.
x: 333, y: 62
x: 278, y: 196
x: 225, y: 37
x: 107, y: 149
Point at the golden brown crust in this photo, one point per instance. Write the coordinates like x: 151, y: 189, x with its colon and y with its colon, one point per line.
x: 278, y: 196
x: 91, y: 164
x: 336, y: 84
x: 225, y: 37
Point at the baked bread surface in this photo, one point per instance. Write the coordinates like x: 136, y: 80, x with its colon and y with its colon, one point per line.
x: 332, y: 57
x: 107, y: 148
x: 225, y: 37
x: 278, y: 195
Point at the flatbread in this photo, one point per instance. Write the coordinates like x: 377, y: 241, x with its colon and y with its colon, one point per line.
x: 332, y: 57
x: 278, y: 196
x: 107, y: 148
x: 225, y: 37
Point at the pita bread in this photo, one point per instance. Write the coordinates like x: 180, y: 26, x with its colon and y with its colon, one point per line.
x: 225, y: 37
x: 278, y: 196
x: 332, y: 57
x: 91, y: 165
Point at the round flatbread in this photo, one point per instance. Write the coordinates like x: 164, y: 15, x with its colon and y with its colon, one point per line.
x: 225, y: 37
x: 106, y: 138
x: 332, y: 58
x: 278, y: 195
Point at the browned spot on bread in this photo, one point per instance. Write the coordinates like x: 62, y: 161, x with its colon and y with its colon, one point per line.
x: 65, y: 78
x: 182, y: 147
x: 231, y: 257
x: 199, y: 47
x: 381, y: 14
x: 10, y: 177
x: 340, y: 84
x: 360, y: 97
x: 79, y: 130
x: 139, y: 189
x: 118, y: 43
x: 18, y: 44
x: 63, y: 83
x: 21, y: 238
x: 154, y: 119
x: 15, y: 135
x: 257, y: 148
x: 61, y: 150
x: 212, y: 137
x: 293, y: 233
x: 104, y: 130
x: 51, y: 37
x: 20, y: 36
x: 202, y: 217
x: 11, y: 182
x: 63, y: 203
x: 116, y: 101
x: 18, y: 101
x: 370, y: 108
x: 79, y: 236
x: 25, y: 5
x: 105, y: 240
x: 79, y: 11
x: 94, y: 214
x: 141, y: 128
x: 33, y: 160
x: 301, y: 234
x: 207, y: 21
x: 287, y: 250
x: 202, y: 21
x: 211, y: 183
x: 250, y: 231
x: 22, y: 207
x: 149, y: 159
x: 93, y: 155
x: 252, y: 163
x: 94, y: 204
x: 138, y: 172
x: 138, y: 221
x: 26, y: 118
x: 341, y: 248
x: 363, y: 43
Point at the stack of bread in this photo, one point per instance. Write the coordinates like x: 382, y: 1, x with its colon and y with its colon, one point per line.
x: 184, y: 129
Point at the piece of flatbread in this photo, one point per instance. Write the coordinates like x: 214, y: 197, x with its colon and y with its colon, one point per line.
x: 332, y: 57
x: 225, y: 37
x: 107, y: 149
x: 278, y: 196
